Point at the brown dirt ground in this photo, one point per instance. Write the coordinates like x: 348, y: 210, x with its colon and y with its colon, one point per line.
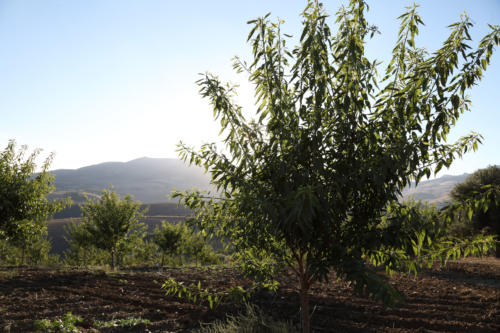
x: 462, y: 297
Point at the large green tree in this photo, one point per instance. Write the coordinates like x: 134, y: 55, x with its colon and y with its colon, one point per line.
x: 112, y: 222
x: 24, y: 207
x: 480, y: 192
x: 333, y: 144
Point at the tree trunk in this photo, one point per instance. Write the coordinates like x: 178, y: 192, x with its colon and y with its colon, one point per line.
x: 304, y: 307
x: 85, y: 257
x: 497, y: 254
x: 113, y: 260
x: 162, y: 259
x: 22, y: 256
x: 305, y: 284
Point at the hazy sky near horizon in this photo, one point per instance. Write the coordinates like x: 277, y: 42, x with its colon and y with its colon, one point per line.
x: 102, y: 80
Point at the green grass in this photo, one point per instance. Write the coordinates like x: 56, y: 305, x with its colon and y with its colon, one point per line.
x: 253, y: 321
x: 66, y: 324
x: 127, y: 322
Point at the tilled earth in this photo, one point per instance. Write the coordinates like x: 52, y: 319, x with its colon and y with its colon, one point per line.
x: 462, y: 297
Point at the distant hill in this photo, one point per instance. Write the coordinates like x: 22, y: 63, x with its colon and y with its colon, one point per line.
x: 154, y: 209
x: 149, y: 180
x: 434, y: 190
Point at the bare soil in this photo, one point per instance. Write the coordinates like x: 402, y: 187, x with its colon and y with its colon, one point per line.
x: 462, y: 297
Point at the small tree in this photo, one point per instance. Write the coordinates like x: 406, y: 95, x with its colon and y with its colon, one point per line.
x: 309, y: 180
x: 168, y: 237
x: 195, y: 246
x: 24, y: 207
x: 110, y: 220
x: 35, y: 252
x: 129, y: 245
x: 38, y: 249
x: 479, y: 198
x: 79, y: 238
x: 145, y: 252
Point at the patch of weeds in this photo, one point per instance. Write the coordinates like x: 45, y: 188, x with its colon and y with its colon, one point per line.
x: 65, y: 325
x: 127, y: 322
x: 253, y: 321
x: 197, y: 295
x: 9, y: 274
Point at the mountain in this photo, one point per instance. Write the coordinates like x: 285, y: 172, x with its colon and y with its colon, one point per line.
x: 434, y: 190
x: 149, y: 180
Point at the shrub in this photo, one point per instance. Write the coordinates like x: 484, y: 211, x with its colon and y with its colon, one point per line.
x: 479, y: 196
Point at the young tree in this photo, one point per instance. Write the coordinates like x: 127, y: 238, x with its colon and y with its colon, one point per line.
x: 110, y: 220
x: 309, y: 180
x: 168, y: 238
x: 130, y: 244
x: 35, y: 251
x: 145, y: 252
x: 79, y: 239
x: 24, y: 207
x: 194, y: 245
x: 479, y: 194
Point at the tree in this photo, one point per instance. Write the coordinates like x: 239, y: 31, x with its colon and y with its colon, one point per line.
x: 79, y: 239
x: 24, y: 207
x: 195, y: 246
x: 168, y: 238
x: 482, y: 188
x: 35, y: 252
x: 111, y: 220
x: 308, y: 181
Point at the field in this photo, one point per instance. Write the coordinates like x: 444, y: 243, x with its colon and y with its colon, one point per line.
x: 462, y: 297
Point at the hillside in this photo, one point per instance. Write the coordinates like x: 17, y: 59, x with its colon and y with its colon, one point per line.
x: 151, y: 180
x: 147, y: 179
x: 434, y: 190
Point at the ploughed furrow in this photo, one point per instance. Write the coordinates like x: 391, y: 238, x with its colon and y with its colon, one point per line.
x: 445, y: 301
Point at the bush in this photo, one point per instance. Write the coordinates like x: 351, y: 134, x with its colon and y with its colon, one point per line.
x: 90, y: 256
x: 479, y: 196
x: 177, y: 242
x: 145, y: 252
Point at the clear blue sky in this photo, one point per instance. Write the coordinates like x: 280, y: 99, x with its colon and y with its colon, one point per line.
x: 97, y: 80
